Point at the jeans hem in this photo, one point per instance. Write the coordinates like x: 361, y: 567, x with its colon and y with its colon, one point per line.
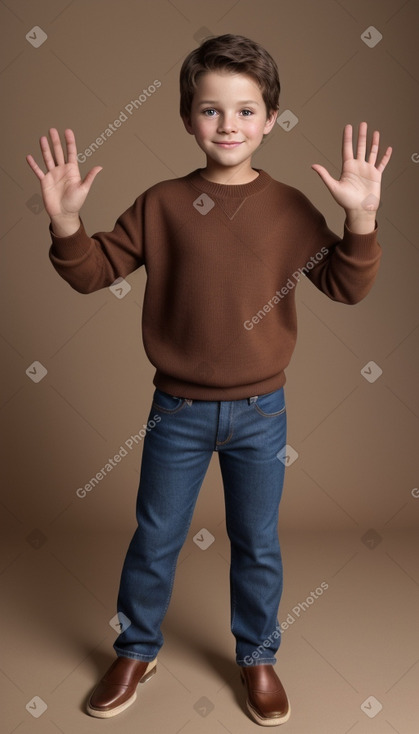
x: 259, y: 661
x: 121, y: 652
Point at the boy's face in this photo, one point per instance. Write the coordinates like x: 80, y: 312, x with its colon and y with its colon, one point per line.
x: 228, y: 119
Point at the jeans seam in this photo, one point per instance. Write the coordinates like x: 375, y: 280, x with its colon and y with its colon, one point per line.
x: 269, y: 415
x: 222, y: 443
x: 167, y: 411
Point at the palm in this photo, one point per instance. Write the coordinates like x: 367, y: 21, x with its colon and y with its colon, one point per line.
x: 360, y: 182
x: 63, y: 189
x: 359, y: 185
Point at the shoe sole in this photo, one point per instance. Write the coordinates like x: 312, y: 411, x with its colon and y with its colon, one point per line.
x: 108, y: 713
x: 263, y: 721
x: 277, y: 721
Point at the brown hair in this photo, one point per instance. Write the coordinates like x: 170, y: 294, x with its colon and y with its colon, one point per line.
x: 236, y: 54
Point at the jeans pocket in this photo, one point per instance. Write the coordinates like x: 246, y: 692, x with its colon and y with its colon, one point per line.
x: 271, y: 404
x: 165, y: 403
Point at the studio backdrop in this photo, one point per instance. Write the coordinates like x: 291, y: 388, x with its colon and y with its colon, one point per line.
x: 76, y: 383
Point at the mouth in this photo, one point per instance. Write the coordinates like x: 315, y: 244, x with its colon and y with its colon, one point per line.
x: 231, y: 144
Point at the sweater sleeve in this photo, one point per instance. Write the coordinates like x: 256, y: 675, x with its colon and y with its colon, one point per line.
x: 91, y: 263
x: 349, y: 266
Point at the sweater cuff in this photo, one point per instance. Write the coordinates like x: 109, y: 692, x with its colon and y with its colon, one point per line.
x: 364, y: 246
x: 73, y: 247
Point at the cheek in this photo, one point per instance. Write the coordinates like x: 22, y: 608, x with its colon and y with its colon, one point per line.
x: 209, y: 124
x: 254, y: 128
x: 203, y: 127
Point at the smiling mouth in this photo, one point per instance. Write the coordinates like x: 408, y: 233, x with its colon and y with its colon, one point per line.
x: 232, y: 144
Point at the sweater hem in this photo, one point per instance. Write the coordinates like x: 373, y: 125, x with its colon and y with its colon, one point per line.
x: 181, y: 389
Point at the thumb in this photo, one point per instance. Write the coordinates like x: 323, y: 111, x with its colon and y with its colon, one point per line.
x: 324, y: 175
x: 90, y: 176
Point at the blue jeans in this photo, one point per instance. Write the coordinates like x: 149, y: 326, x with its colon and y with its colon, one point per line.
x: 247, y: 435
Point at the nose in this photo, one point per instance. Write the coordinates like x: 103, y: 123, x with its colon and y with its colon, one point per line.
x: 227, y: 123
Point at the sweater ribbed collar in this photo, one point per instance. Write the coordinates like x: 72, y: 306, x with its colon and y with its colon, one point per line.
x: 221, y: 191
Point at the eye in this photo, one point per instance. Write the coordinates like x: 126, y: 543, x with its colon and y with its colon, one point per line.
x: 247, y: 113
x: 210, y: 112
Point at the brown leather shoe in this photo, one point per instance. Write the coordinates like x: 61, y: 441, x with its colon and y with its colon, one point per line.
x: 117, y: 689
x: 266, y: 701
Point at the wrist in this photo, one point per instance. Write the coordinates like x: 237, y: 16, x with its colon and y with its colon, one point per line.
x: 65, y: 225
x: 360, y: 221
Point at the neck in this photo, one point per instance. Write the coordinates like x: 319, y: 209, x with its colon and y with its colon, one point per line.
x: 234, y: 176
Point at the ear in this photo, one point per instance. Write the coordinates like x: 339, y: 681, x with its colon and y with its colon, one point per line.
x: 187, y: 123
x: 270, y: 122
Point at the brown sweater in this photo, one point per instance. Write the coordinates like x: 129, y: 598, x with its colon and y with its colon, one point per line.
x: 222, y: 262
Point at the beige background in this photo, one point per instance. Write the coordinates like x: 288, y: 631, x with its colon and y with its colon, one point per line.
x: 350, y: 510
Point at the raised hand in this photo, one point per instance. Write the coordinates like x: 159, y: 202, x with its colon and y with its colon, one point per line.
x: 359, y: 187
x: 63, y: 190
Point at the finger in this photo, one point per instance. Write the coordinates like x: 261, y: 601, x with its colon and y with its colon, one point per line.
x: 90, y: 177
x: 46, y: 153
x: 35, y: 168
x: 325, y: 176
x: 362, y: 141
x: 374, y: 147
x: 347, y: 150
x: 385, y: 159
x: 58, y: 148
x: 71, y: 146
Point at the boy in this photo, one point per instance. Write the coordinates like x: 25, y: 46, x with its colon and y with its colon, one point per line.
x: 223, y: 247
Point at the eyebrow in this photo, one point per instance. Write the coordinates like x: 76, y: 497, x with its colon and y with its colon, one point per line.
x: 245, y: 102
